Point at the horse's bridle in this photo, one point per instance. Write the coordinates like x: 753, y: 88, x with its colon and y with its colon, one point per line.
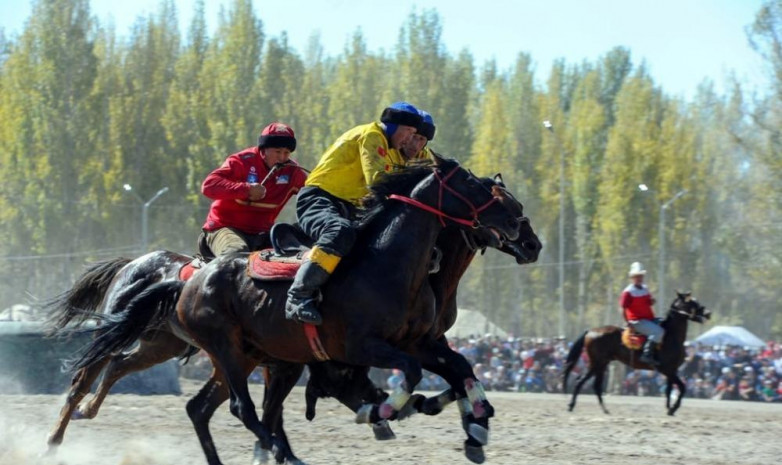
x: 473, y: 223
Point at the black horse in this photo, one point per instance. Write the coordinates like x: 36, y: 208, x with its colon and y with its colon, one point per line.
x: 605, y: 344
x: 236, y: 320
x: 108, y: 284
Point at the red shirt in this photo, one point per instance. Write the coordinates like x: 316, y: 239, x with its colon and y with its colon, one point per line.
x: 637, y: 303
x: 229, y: 187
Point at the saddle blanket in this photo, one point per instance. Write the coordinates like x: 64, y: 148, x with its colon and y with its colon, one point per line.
x: 188, y: 269
x: 267, y: 266
x: 633, y: 340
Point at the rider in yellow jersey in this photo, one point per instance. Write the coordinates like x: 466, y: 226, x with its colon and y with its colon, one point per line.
x: 326, y: 204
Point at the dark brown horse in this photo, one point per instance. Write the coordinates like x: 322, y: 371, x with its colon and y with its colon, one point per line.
x: 110, y: 287
x: 272, y: 293
x: 604, y: 345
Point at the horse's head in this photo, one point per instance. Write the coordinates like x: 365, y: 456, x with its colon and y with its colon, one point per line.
x: 527, y: 246
x: 524, y: 248
x: 468, y: 201
x: 686, y: 305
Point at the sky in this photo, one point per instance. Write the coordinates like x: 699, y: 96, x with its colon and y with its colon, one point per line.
x: 682, y: 42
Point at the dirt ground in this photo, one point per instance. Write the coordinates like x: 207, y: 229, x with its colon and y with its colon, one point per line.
x: 527, y: 429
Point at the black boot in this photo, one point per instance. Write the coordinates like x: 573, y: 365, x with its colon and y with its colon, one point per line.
x: 648, y: 354
x: 303, y: 294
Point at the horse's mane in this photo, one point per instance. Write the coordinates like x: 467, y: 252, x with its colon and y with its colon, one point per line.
x: 399, y: 182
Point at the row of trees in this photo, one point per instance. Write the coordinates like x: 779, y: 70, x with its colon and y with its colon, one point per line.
x: 86, y: 110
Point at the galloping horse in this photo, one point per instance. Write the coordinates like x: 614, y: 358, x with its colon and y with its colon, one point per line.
x: 109, y: 282
x: 378, y: 307
x: 241, y: 313
x: 605, y: 344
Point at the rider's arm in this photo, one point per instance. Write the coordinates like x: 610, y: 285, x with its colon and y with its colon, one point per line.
x: 227, y: 182
x: 373, y: 151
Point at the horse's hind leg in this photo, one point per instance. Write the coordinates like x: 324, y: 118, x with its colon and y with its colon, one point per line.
x: 158, y: 349
x: 200, y: 410
x: 226, y: 352
x: 598, y: 386
x: 579, y: 383
x: 80, y: 387
x: 282, y: 379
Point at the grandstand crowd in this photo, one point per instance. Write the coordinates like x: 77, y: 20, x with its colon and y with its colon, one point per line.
x: 535, y: 365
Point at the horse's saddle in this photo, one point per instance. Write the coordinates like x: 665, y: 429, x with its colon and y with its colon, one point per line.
x: 290, y: 247
x: 632, y: 339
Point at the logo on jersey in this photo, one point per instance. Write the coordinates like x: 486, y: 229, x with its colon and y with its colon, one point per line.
x: 252, y: 177
x: 283, y: 179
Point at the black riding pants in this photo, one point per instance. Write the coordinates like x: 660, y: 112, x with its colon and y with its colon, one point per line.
x: 326, y: 219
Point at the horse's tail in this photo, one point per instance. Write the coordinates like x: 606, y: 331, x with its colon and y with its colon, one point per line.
x: 118, y: 331
x: 76, y: 304
x: 572, y: 359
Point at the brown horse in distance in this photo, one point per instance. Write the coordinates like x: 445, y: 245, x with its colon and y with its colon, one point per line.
x: 604, y: 345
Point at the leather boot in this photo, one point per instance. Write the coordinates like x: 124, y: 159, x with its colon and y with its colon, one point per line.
x: 648, y: 354
x: 303, y: 294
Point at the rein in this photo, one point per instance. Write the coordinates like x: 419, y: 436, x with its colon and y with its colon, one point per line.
x: 473, y: 223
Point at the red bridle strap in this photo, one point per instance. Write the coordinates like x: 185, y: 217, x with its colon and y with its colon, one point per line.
x: 430, y: 209
x: 438, y: 211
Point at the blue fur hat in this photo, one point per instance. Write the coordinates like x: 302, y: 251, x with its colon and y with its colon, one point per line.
x: 400, y: 113
x: 426, y: 128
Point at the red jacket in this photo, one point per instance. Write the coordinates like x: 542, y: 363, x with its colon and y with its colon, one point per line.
x: 229, y: 187
x: 637, y: 303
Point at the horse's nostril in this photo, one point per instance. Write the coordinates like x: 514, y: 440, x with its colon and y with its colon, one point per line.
x: 513, y: 223
x: 528, y: 245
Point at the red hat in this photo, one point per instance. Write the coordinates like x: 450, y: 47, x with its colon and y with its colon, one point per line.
x: 277, y: 135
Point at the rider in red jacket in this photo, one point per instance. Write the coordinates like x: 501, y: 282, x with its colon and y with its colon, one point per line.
x: 636, y: 302
x: 249, y: 190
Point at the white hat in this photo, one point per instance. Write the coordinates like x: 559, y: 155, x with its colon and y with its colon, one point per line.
x: 636, y: 269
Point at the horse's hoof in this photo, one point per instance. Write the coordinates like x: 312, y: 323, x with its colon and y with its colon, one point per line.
x: 260, y: 455
x: 474, y: 453
x: 383, y: 431
x: 479, y: 433
x: 671, y: 412
x: 570, y: 408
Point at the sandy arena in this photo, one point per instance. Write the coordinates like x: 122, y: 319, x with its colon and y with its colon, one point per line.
x: 528, y: 429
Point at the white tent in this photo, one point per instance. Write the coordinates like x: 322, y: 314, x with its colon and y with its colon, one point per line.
x: 730, y: 335
x: 473, y: 323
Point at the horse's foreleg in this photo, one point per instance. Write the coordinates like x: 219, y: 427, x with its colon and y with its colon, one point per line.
x: 378, y: 353
x: 80, y: 387
x: 579, y: 383
x: 474, y: 407
x: 682, y: 388
x: 160, y: 348
x: 668, y: 390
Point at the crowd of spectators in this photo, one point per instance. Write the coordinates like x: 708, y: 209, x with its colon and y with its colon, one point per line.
x: 535, y: 365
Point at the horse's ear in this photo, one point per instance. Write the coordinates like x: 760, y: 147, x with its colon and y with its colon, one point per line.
x: 437, y: 159
x: 498, y: 179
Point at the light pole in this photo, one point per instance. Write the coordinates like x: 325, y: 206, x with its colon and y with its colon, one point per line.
x: 145, y: 213
x: 548, y: 125
x: 661, y: 238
